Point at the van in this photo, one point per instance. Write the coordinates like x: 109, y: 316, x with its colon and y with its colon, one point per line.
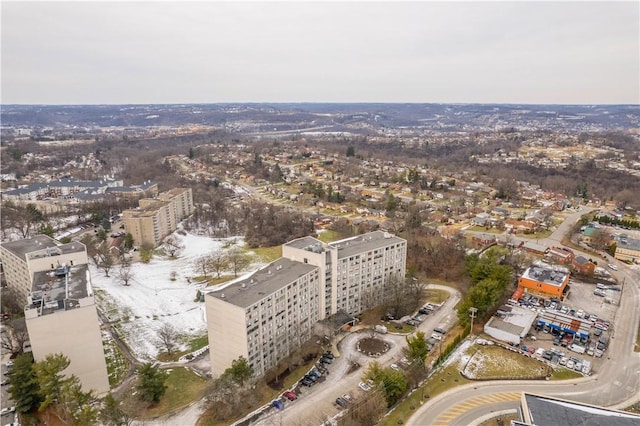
x: 577, y: 348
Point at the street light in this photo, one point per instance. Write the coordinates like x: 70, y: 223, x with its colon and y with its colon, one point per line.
x: 472, y: 313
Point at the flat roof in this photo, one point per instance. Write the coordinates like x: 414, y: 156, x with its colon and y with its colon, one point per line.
x: 545, y: 275
x: 515, y: 319
x: 263, y: 282
x: 544, y: 410
x: 307, y: 243
x: 363, y: 243
x: 59, y: 289
x: 21, y: 247
x: 629, y: 244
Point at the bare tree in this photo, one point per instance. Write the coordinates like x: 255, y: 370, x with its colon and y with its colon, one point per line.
x: 12, y: 338
x: 218, y: 261
x: 167, y: 336
x: 238, y: 260
x: 201, y: 265
x: 173, y: 246
x: 125, y: 274
x: 103, y: 258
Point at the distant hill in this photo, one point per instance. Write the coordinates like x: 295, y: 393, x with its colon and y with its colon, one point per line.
x: 328, y: 117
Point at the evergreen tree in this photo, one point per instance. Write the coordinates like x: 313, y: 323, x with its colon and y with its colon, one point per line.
x: 24, y: 388
x: 152, y: 385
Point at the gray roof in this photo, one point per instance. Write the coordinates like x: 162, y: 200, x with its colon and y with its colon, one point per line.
x: 307, y: 243
x: 60, y: 289
x: 26, y: 189
x: 263, y: 282
x: 363, y: 243
x: 547, y: 411
x: 21, y: 247
x: 544, y: 275
x: 629, y: 244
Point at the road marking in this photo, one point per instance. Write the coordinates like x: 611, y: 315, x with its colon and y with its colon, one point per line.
x: 446, y: 418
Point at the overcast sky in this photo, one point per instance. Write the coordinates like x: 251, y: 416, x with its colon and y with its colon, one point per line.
x: 179, y: 52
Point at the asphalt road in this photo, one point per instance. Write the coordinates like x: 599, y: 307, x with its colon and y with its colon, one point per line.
x: 616, y: 385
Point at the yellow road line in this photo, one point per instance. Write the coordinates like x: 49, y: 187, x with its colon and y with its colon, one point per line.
x: 454, y: 412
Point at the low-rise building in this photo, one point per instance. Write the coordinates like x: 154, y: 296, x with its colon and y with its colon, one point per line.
x: 628, y: 250
x: 546, y: 282
x: 510, y: 324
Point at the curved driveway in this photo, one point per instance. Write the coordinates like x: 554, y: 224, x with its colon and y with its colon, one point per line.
x: 617, y: 384
x: 316, y: 404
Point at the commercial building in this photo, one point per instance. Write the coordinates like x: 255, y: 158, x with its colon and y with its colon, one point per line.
x: 542, y: 410
x: 53, y: 282
x: 510, y: 324
x: 155, y: 218
x: 266, y: 316
x: 546, y: 282
x: 628, y: 250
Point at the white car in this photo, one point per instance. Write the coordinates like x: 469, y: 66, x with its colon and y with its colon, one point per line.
x: 8, y: 410
x: 364, y: 386
x: 612, y: 266
x: 395, y: 367
x: 436, y: 336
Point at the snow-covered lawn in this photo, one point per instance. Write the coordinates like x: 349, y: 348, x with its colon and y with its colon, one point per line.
x: 153, y: 299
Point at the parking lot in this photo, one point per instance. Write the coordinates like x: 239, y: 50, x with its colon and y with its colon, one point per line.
x: 556, y: 347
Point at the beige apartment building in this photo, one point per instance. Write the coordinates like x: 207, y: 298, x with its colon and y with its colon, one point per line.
x: 264, y: 317
x: 53, y: 282
x: 23, y: 258
x: 268, y: 315
x: 155, y: 218
x: 62, y: 317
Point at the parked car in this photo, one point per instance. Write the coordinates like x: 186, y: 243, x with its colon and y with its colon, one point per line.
x: 326, y: 360
x: 307, y: 382
x: 436, y: 336
x: 364, y: 386
x: 277, y: 404
x: 8, y: 410
x: 440, y: 330
x: 395, y: 367
x: 340, y: 401
x: 291, y: 396
x: 612, y: 266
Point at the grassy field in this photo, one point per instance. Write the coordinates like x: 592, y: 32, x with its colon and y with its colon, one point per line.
x: 267, y: 254
x: 193, y: 344
x: 328, y: 236
x: 494, y: 362
x: 183, y: 387
x: 436, y: 296
x: 565, y: 374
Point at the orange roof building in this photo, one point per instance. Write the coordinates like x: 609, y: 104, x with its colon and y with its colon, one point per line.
x: 544, y: 282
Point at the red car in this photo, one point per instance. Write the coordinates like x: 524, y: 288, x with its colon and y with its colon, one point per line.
x: 290, y: 395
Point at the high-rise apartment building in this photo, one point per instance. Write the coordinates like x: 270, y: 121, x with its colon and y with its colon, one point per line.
x: 155, y: 218
x: 268, y: 315
x: 52, y: 280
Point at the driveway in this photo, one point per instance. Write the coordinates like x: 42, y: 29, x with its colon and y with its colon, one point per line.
x: 316, y: 404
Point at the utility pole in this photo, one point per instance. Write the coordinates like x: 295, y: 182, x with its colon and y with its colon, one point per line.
x: 472, y: 313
